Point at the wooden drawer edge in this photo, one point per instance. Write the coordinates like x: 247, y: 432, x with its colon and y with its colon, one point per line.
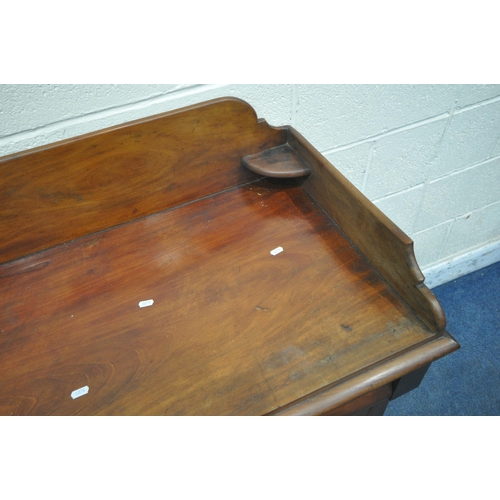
x: 340, y: 393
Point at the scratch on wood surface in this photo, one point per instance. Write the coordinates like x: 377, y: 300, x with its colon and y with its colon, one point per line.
x: 14, y: 270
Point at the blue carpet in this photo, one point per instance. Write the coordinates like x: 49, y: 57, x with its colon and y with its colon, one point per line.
x: 467, y: 381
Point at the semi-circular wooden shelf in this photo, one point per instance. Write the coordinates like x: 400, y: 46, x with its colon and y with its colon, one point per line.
x: 279, y: 162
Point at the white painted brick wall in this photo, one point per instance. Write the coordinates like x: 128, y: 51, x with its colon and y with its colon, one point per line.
x: 352, y: 162
x: 459, y: 193
x: 403, y: 207
x: 470, y: 137
x: 427, y: 155
x: 336, y: 115
x: 429, y: 243
x: 399, y: 161
x: 478, y: 225
x: 34, y: 106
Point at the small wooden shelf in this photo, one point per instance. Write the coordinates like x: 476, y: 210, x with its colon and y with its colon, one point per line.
x: 184, y: 209
x: 279, y: 162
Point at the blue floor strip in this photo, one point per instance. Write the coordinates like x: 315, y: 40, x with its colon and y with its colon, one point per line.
x: 467, y: 381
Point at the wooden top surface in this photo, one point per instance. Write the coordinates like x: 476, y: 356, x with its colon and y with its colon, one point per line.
x: 233, y: 329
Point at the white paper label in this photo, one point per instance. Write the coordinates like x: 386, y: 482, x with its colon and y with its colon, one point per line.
x: 80, y: 392
x: 146, y: 303
x: 276, y: 251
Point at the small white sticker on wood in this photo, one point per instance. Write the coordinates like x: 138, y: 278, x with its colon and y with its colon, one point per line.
x: 276, y: 251
x: 80, y: 392
x: 146, y: 303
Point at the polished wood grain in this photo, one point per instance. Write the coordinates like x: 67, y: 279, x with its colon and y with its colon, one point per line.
x: 56, y: 193
x: 233, y: 329
x: 376, y: 235
x: 387, y: 248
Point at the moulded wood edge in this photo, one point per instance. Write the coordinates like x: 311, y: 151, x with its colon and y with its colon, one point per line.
x: 341, y: 392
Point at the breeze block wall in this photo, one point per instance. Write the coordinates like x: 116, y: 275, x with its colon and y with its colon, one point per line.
x: 426, y: 155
